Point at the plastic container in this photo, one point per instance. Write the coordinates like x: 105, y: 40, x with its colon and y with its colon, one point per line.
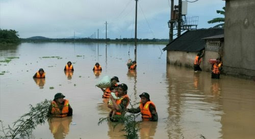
x: 212, y: 61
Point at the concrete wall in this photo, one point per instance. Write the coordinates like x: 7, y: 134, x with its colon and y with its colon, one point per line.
x: 239, y: 32
x: 213, y: 50
x: 181, y: 58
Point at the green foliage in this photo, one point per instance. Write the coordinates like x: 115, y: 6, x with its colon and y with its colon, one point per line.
x: 23, y: 127
x: 131, y: 126
x: 9, y: 36
x: 8, y: 59
x: 220, y: 20
x: 58, y: 57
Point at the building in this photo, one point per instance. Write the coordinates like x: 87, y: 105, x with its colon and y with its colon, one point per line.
x: 239, y: 38
x: 182, y: 50
x: 213, y: 50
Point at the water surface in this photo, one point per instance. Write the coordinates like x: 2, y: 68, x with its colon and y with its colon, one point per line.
x: 190, y: 105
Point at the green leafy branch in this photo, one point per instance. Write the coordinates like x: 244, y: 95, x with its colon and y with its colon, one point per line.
x: 27, y: 122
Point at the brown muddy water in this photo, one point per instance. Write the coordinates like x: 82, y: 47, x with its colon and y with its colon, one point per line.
x: 190, y: 105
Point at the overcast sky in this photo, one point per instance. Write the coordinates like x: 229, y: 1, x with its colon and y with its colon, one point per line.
x: 82, y: 18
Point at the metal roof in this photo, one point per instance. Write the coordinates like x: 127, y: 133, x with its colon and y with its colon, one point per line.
x: 192, y: 41
x: 221, y: 36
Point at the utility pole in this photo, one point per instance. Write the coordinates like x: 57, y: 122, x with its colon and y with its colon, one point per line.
x: 135, y: 51
x: 74, y: 36
x: 97, y: 33
x: 171, y: 33
x: 179, y: 18
x: 106, y: 30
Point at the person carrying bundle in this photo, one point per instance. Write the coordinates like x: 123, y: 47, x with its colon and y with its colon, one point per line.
x: 216, y: 68
x: 131, y: 65
x: 108, y: 84
x: 118, y: 107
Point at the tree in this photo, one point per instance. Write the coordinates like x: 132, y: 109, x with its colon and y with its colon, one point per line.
x: 9, y: 36
x: 220, y: 20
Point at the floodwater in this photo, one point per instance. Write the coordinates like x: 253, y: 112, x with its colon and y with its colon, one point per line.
x: 190, y: 105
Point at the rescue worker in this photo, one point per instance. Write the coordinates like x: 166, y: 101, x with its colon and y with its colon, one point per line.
x: 97, y: 67
x: 197, y: 62
x: 107, y: 91
x: 69, y: 66
x: 147, y: 108
x: 60, y: 107
x: 39, y: 74
x: 216, y: 67
x: 133, y: 66
x: 120, y: 105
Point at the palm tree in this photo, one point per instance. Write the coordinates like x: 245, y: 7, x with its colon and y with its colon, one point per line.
x: 220, y: 20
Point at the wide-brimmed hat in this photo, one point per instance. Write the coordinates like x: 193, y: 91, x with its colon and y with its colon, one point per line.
x: 59, y: 95
x: 123, y: 86
x: 145, y: 94
x: 115, y: 78
x: 41, y: 69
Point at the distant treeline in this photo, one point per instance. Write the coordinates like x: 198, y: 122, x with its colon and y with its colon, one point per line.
x: 8, y: 36
x: 91, y: 40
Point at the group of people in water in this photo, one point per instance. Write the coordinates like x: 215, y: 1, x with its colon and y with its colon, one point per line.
x: 215, y: 69
x: 116, y: 93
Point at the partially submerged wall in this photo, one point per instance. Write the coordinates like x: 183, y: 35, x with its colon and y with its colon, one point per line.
x: 180, y: 58
x: 239, y: 31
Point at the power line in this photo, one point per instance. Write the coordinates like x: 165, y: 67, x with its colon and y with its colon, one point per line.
x: 147, y: 21
x: 192, y: 1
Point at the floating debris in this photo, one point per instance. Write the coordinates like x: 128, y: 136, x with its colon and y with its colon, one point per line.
x: 58, y: 57
x: 79, y: 55
x: 2, y: 73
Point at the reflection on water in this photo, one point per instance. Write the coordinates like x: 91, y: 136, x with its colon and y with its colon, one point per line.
x: 40, y: 82
x: 190, y: 105
x: 69, y: 74
x: 131, y: 73
x: 147, y: 129
x: 59, y: 127
x: 215, y: 88
x: 103, y: 107
x: 115, y: 131
x: 97, y: 73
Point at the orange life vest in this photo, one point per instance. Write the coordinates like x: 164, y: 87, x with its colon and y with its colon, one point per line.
x: 107, y: 92
x: 57, y: 112
x: 216, y: 68
x: 69, y: 68
x: 97, y: 73
x: 119, y: 101
x: 197, y: 60
x: 69, y: 73
x: 38, y: 75
x: 132, y: 67
x: 145, y: 111
x: 97, y: 68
